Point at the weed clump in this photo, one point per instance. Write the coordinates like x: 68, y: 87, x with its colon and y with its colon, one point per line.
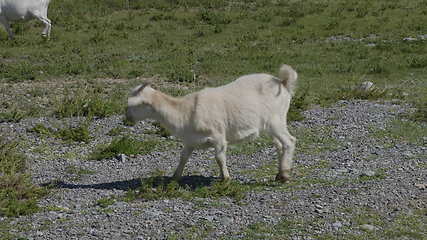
x: 155, y: 188
x: 124, y: 145
x: 91, y: 103
x: 76, y: 134
x: 18, y: 196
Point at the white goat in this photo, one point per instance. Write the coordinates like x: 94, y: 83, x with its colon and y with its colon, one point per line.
x: 215, y: 117
x: 12, y: 10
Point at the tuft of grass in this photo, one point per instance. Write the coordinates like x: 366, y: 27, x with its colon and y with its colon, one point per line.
x: 379, y: 175
x: 18, y: 196
x: 155, y: 188
x: 420, y: 115
x: 12, y: 116
x: 11, y: 161
x: 124, y: 145
x: 105, y: 202
x: 350, y: 93
x: 117, y: 131
x: 90, y: 103
x: 299, y: 103
x: 76, y: 134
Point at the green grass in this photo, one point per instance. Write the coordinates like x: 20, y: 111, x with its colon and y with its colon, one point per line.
x: 90, y: 103
x: 209, y: 43
x: 18, y: 196
x: 117, y: 131
x: 11, y: 116
x: 402, y: 226
x: 155, y: 188
x: 72, y: 134
x: 105, y: 202
x: 402, y: 131
x: 250, y: 147
x: 124, y: 145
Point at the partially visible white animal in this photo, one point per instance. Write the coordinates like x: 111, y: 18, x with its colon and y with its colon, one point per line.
x: 12, y: 10
x: 220, y: 116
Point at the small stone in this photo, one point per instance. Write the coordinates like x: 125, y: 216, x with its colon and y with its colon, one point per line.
x: 337, y: 225
x: 318, y: 206
x: 368, y: 173
x: 318, y: 210
x: 367, y: 227
x: 409, y: 39
x: 421, y: 186
x: 226, y: 221
x: 209, y: 218
x: 366, y: 86
x: 121, y: 157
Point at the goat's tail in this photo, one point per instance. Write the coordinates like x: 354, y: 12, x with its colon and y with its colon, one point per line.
x: 288, y: 76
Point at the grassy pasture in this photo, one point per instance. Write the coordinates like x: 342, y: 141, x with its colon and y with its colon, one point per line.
x: 334, y: 45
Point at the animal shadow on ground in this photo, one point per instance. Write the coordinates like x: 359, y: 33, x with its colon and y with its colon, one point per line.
x: 189, y: 182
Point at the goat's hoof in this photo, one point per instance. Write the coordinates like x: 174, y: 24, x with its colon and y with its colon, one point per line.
x: 283, y: 178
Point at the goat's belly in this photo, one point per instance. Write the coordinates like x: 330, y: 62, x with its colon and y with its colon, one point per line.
x: 13, y: 13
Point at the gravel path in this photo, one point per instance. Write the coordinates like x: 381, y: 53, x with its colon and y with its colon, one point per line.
x: 345, y: 170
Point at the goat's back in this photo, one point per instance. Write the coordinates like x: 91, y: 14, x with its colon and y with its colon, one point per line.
x: 243, y: 106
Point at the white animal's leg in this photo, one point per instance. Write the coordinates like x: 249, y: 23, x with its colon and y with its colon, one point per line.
x: 286, y: 158
x: 6, y: 25
x: 185, y: 155
x: 221, y: 159
x: 279, y: 148
x: 43, y: 18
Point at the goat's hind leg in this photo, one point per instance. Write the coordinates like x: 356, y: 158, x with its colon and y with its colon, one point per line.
x: 286, y: 142
x: 48, y: 25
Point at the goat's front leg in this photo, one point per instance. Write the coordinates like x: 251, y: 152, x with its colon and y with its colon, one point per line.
x: 185, y: 155
x: 221, y: 159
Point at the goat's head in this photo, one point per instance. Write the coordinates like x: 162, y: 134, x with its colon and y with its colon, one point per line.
x: 139, y: 103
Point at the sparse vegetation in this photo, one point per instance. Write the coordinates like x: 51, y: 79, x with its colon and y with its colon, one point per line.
x: 89, y: 103
x: 18, y: 196
x: 124, y: 145
x: 76, y: 134
x: 105, y: 202
x: 402, y: 130
x: 163, y: 188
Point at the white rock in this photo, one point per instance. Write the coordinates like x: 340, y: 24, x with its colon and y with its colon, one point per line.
x: 366, y: 86
x: 367, y: 227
